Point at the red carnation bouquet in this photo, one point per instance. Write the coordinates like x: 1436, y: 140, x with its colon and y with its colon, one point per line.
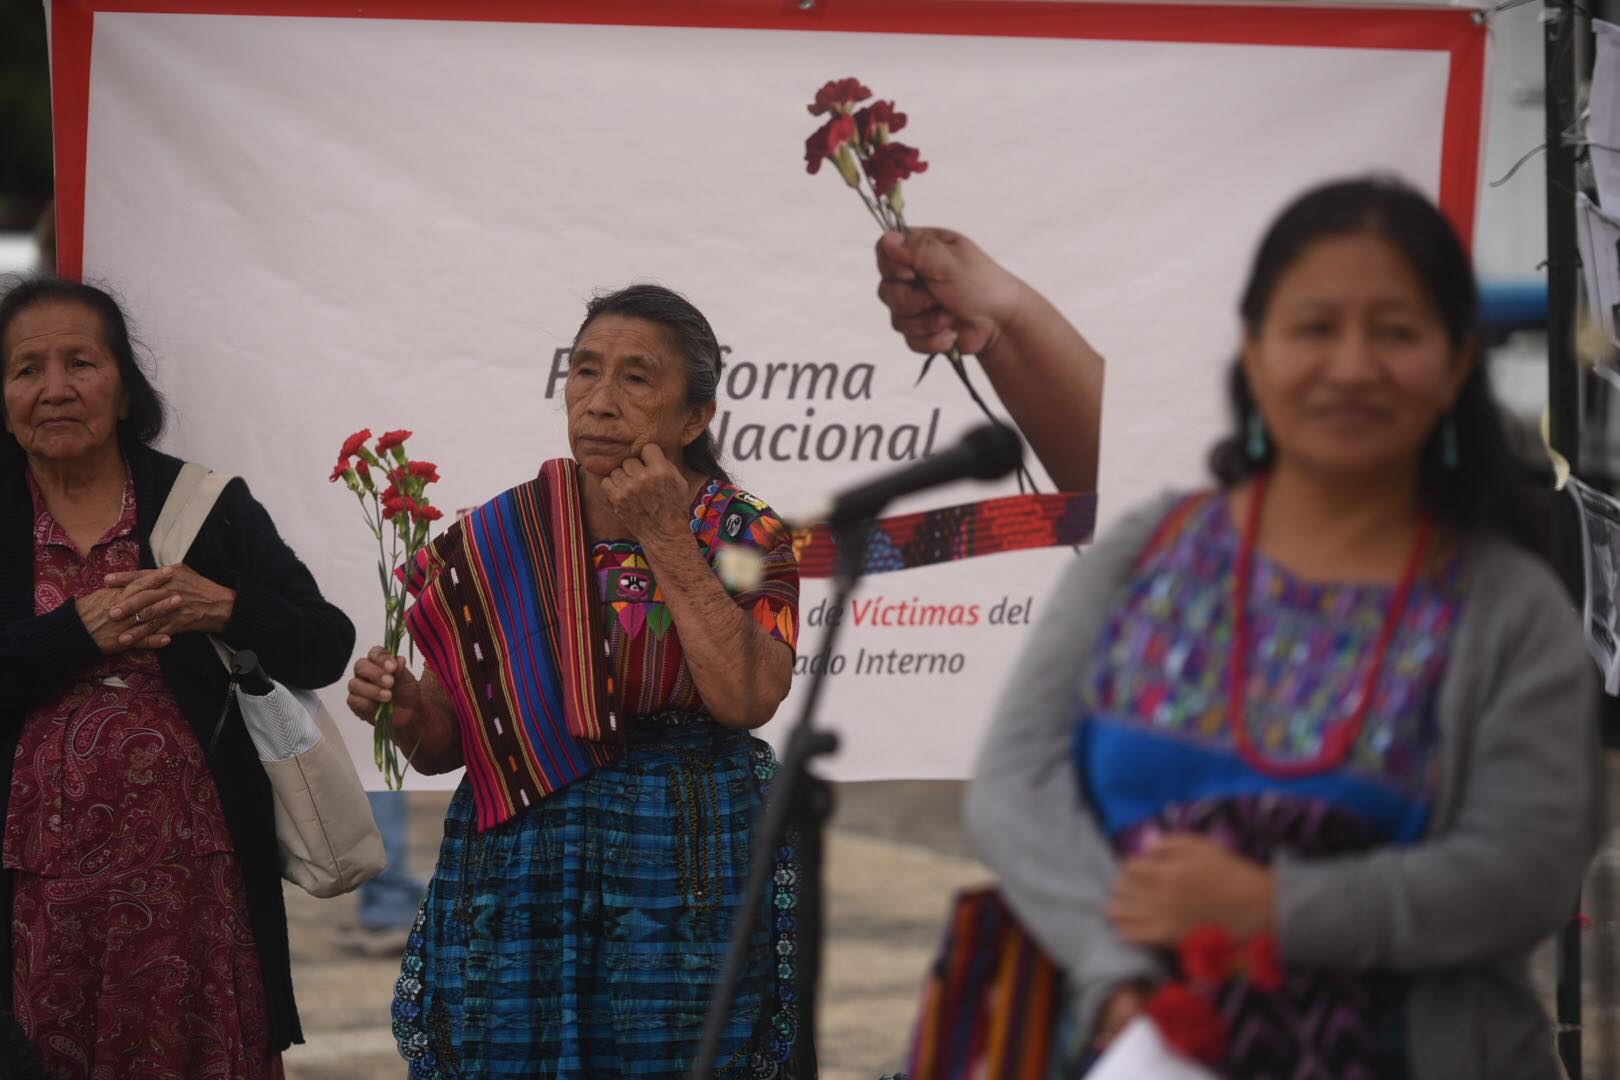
x: 1210, y: 957
x: 860, y: 143
x: 399, y: 516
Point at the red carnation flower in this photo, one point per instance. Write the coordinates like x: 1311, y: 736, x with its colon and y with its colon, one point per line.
x: 1265, y: 967
x: 391, y: 439
x: 398, y: 474
x: 393, y: 505
x: 838, y: 95
x: 827, y: 141
x: 428, y: 513
x: 892, y: 163
x: 1188, y: 1022
x: 363, y: 469
x: 426, y: 471
x: 352, y: 445
x: 389, y: 492
x: 339, y: 469
x: 878, y: 121
x: 1208, y: 955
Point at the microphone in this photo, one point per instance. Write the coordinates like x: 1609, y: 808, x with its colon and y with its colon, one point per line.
x: 250, y: 677
x: 987, y: 452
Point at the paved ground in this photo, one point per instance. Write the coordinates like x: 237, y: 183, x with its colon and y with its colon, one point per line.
x: 895, y: 858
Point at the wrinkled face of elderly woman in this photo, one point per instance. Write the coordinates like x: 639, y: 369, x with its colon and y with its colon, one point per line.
x: 626, y: 388
x: 1352, y: 366
x: 63, y: 393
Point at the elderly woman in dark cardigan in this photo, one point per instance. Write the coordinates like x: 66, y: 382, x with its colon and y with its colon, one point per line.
x: 147, y: 934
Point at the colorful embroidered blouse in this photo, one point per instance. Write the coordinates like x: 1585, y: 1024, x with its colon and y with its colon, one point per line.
x: 1155, y: 753
x: 644, y: 651
x: 1156, y: 732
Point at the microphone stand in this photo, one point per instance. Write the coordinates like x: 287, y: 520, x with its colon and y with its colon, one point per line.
x: 799, y: 800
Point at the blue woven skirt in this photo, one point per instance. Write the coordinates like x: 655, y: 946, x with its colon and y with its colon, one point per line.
x: 585, y: 937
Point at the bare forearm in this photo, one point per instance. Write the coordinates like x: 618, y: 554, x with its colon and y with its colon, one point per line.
x: 741, y: 671
x: 1051, y: 381
x: 432, y: 743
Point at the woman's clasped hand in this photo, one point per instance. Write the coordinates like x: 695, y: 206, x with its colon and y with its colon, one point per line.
x: 1182, y: 881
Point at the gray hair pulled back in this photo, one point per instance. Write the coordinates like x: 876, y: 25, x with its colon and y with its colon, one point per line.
x: 693, y: 338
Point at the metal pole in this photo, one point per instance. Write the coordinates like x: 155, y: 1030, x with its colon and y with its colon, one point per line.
x: 799, y: 799
x: 1563, y: 401
x: 1563, y: 371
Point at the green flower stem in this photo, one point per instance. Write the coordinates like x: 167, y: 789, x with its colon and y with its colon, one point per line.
x: 877, y: 214
x: 396, y: 598
x: 412, y: 536
x: 385, y: 754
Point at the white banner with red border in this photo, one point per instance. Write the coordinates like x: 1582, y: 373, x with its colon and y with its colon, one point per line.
x: 326, y: 216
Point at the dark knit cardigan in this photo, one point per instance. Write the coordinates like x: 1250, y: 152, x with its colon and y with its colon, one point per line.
x: 302, y: 640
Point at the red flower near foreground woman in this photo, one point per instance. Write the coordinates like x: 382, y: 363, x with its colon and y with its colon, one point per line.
x: 1265, y: 967
x: 1208, y: 955
x: 1188, y: 1022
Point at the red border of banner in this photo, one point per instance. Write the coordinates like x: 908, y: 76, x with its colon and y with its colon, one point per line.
x: 1457, y: 32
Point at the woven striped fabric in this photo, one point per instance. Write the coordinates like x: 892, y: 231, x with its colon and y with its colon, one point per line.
x: 989, y: 1010
x: 584, y: 938
x: 1010, y: 523
x: 506, y: 616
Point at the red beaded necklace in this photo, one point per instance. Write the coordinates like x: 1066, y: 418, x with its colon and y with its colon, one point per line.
x: 1338, y: 741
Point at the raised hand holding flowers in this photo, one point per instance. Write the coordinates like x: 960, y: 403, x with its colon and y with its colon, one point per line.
x: 400, y: 516
x: 860, y: 143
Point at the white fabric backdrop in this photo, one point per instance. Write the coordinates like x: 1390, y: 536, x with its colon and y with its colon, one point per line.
x: 323, y: 224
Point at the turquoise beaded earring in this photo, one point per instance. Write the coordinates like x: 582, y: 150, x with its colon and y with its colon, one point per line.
x: 1450, y: 452
x: 1255, y: 443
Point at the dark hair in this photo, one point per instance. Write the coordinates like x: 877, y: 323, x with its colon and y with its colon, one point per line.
x: 146, y: 414
x: 1492, y: 489
x: 692, y: 336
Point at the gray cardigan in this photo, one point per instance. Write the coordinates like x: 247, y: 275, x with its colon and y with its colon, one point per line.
x: 1517, y: 817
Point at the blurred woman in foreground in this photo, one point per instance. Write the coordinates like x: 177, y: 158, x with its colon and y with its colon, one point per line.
x: 1339, y: 700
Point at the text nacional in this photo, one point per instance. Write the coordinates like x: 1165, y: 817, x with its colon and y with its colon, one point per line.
x: 809, y: 437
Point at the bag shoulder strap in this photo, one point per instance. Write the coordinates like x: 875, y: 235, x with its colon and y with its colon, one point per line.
x: 194, y: 494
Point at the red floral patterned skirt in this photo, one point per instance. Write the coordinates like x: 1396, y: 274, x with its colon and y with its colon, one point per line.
x: 132, y: 951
